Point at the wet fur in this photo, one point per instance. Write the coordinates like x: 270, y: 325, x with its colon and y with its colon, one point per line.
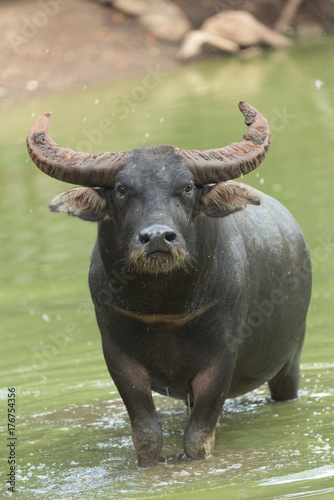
x: 141, y: 262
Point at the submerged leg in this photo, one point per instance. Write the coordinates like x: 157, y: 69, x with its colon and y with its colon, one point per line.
x: 284, y: 385
x: 210, y: 388
x: 134, y: 385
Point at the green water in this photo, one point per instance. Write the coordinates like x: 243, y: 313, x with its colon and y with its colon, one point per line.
x: 73, y: 434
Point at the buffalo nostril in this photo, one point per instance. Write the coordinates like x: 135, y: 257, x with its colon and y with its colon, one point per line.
x: 157, y: 238
x: 143, y: 238
x: 170, y: 236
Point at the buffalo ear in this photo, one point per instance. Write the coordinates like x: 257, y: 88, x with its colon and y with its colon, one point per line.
x: 85, y: 203
x: 227, y: 197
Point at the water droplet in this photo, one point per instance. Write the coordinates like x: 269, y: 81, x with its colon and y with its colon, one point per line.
x: 319, y: 84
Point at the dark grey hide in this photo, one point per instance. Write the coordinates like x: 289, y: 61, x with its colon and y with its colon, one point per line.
x: 199, y: 291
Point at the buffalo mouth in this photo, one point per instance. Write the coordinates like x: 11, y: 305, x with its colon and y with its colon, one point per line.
x: 142, y: 262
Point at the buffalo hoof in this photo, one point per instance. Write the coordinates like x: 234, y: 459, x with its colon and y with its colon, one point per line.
x: 145, y: 462
x: 199, y: 445
x: 148, y: 447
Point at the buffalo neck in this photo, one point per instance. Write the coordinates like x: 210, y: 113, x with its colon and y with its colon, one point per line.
x: 164, y: 292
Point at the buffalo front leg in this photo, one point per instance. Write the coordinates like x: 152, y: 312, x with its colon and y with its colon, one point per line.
x: 134, y: 385
x: 210, y: 388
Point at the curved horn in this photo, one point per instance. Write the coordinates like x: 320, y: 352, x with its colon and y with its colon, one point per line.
x: 217, y: 165
x: 65, y: 165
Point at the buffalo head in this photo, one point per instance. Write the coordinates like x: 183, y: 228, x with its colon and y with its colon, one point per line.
x: 151, y: 196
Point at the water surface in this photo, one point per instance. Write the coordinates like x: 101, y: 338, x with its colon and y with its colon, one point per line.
x: 74, y: 438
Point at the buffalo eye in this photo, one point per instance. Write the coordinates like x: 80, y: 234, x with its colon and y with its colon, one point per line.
x: 189, y: 188
x: 120, y: 190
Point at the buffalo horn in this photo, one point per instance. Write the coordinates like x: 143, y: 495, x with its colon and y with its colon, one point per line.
x: 235, y: 160
x: 210, y: 166
x: 69, y: 166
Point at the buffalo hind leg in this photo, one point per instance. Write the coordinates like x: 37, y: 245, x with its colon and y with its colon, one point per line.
x: 284, y: 385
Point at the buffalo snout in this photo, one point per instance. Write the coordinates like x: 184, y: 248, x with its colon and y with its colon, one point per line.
x: 157, y: 238
x: 158, y: 249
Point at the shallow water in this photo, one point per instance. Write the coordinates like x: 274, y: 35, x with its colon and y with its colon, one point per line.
x: 73, y: 433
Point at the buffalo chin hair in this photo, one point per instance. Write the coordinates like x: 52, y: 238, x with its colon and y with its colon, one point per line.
x: 155, y: 263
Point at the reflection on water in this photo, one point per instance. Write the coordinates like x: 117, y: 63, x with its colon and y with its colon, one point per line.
x: 89, y: 447
x: 74, y: 434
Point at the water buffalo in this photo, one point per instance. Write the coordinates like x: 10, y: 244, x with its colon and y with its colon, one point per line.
x: 201, y: 285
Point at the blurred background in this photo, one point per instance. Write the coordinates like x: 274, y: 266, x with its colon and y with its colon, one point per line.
x: 57, y: 45
x: 117, y: 75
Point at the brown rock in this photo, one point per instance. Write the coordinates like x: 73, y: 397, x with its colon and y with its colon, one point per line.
x: 161, y: 17
x: 198, y: 42
x: 242, y: 28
